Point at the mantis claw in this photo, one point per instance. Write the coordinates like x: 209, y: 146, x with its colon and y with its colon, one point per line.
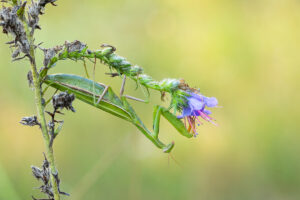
x: 169, y: 147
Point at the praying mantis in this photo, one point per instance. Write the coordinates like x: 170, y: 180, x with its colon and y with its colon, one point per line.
x: 88, y: 90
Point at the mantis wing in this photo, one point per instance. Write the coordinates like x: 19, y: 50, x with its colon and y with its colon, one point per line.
x: 86, y: 90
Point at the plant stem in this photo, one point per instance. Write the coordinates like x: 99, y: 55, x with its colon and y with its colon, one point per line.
x: 41, y: 114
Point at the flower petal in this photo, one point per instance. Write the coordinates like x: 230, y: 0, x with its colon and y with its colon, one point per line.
x: 196, y: 96
x: 195, y: 104
x: 207, y: 112
x: 210, y: 101
x: 185, y: 112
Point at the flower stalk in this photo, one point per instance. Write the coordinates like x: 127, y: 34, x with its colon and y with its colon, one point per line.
x: 77, y: 50
x: 14, y: 22
x: 41, y: 117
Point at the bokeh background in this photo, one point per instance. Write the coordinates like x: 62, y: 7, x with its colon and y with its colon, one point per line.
x: 245, y: 53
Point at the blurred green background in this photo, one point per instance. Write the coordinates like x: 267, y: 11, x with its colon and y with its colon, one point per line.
x: 245, y: 53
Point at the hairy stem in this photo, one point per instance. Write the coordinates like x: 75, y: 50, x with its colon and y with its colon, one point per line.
x: 41, y: 115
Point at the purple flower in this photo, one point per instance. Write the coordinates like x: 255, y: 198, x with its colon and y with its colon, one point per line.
x: 196, y: 107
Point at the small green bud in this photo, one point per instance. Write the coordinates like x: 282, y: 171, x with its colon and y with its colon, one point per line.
x: 144, y: 78
x: 53, y: 61
x: 136, y: 70
x: 84, y: 49
x: 63, y: 55
x: 169, y: 84
x: 107, y: 51
x: 116, y: 59
x: 125, y: 63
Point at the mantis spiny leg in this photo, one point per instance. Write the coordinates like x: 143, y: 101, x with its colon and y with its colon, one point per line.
x: 85, y: 69
x: 103, y: 93
x: 105, y: 89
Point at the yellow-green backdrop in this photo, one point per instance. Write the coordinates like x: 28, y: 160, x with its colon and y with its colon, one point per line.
x: 245, y: 53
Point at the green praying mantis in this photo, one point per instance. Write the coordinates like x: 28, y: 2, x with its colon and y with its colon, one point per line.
x: 88, y: 90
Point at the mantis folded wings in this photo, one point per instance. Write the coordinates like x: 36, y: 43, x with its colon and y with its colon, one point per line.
x: 87, y: 90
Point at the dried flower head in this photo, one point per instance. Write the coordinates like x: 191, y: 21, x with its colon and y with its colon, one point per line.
x: 63, y: 100
x: 30, y: 121
x: 44, y: 175
x: 11, y: 24
x: 37, y: 172
x: 36, y: 9
x: 74, y: 46
x: 30, y: 79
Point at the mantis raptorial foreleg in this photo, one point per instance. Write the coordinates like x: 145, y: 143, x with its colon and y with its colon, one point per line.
x: 127, y: 96
x: 177, y: 123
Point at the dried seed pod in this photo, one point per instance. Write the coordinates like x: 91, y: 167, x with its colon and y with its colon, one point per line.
x: 74, y: 46
x: 16, y: 53
x: 51, y: 125
x: 63, y: 100
x: 49, y: 54
x: 12, y: 24
x: 47, y: 189
x: 45, y: 163
x: 37, y: 172
x: 44, y: 175
x: 30, y: 78
x: 30, y: 121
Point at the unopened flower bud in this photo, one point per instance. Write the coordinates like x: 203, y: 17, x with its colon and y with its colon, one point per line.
x: 116, y: 59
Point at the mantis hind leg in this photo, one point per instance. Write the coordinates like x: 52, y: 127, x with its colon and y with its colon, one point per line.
x: 103, y: 93
x: 105, y: 89
x: 85, y: 69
